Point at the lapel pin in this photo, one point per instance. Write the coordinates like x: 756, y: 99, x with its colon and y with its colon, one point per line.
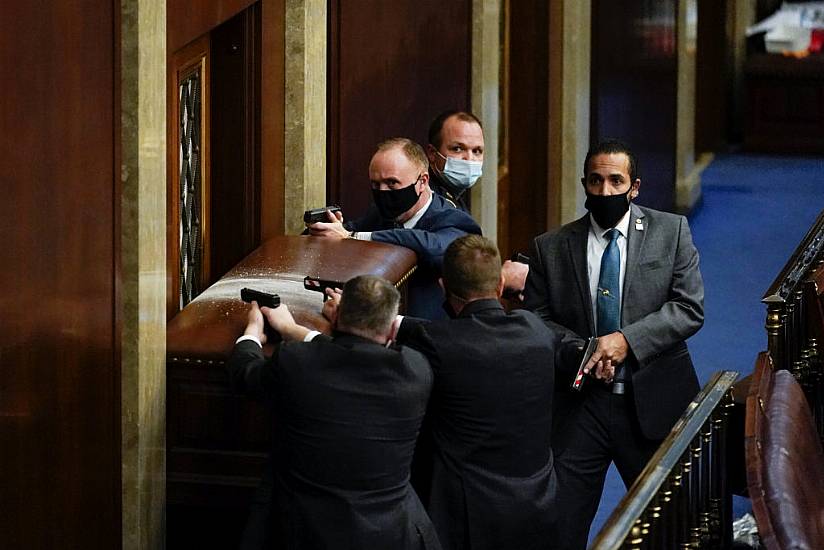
x: 639, y: 225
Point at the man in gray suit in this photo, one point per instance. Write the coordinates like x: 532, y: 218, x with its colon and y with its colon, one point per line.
x: 628, y: 275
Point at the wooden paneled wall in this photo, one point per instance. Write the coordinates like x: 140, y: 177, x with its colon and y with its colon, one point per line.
x: 393, y: 66
x: 713, y: 88
x: 59, y: 367
x: 523, y: 193
x: 634, y: 87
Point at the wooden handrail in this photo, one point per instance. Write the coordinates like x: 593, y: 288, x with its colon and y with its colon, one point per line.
x: 808, y: 250
x: 666, y: 486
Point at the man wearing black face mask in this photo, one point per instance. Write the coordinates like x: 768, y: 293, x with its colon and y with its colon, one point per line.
x: 628, y: 275
x: 406, y: 212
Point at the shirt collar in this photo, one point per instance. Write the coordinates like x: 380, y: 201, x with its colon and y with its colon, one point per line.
x: 622, y: 226
x: 410, y: 223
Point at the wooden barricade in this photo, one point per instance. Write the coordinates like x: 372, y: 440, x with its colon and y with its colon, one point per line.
x: 218, y: 441
x: 784, y: 461
x: 681, y: 500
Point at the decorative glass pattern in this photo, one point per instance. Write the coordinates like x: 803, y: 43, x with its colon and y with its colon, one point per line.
x: 190, y: 182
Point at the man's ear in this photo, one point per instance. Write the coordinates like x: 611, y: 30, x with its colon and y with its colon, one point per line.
x: 499, y: 291
x: 636, y: 185
x: 424, y: 179
x: 440, y: 283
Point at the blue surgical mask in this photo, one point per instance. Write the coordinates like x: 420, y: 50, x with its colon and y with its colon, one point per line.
x: 461, y: 174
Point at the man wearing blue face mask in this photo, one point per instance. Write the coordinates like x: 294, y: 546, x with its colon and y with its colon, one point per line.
x: 456, y: 155
x: 406, y: 212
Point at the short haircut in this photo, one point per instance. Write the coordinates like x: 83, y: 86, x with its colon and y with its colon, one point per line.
x: 435, y: 128
x: 369, y: 304
x: 410, y: 149
x: 471, y: 266
x: 611, y: 146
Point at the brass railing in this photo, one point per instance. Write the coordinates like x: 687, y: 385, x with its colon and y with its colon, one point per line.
x: 681, y: 499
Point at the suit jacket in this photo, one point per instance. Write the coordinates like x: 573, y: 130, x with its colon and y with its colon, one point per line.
x: 493, y: 481
x: 662, y: 305
x: 347, y: 413
x: 441, y: 224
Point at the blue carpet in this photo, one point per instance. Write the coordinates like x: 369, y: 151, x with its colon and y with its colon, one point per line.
x: 755, y: 211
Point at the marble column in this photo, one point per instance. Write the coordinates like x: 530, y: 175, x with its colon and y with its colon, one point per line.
x: 569, y: 97
x: 305, y: 110
x: 687, y: 171
x: 142, y: 270
x: 486, y: 24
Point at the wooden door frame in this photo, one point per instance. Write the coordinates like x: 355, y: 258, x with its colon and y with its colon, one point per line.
x: 182, y: 63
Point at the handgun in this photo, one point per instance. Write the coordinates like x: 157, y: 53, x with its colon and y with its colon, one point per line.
x: 588, y: 351
x: 320, y: 285
x: 519, y: 257
x: 263, y: 299
x: 319, y: 214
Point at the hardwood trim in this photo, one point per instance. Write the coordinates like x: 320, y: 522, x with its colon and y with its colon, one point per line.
x: 272, y: 123
x: 503, y: 135
x: 117, y: 272
x: 251, y: 83
x: 333, y: 104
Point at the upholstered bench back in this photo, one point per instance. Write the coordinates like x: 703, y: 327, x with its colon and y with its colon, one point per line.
x: 785, y: 464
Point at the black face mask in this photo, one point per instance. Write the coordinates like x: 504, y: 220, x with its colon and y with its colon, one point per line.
x: 392, y: 204
x: 608, y: 209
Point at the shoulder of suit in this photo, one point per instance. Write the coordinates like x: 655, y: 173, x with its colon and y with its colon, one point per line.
x: 444, y: 210
x: 412, y: 356
x: 558, y: 232
x: 660, y: 216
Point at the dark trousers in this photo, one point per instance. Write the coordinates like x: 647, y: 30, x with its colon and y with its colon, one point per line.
x: 257, y: 535
x: 601, y: 429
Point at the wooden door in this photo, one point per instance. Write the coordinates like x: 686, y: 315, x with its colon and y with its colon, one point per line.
x: 214, y: 153
x: 634, y: 87
x: 393, y: 66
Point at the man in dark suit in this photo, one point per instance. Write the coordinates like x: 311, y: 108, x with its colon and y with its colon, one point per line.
x: 456, y: 154
x: 492, y: 481
x: 348, y: 410
x: 406, y: 212
x: 630, y: 276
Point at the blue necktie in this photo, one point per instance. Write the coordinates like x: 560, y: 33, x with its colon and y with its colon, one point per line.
x: 608, y: 299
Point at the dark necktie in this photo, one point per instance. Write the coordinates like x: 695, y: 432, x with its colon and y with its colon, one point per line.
x: 608, y: 299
